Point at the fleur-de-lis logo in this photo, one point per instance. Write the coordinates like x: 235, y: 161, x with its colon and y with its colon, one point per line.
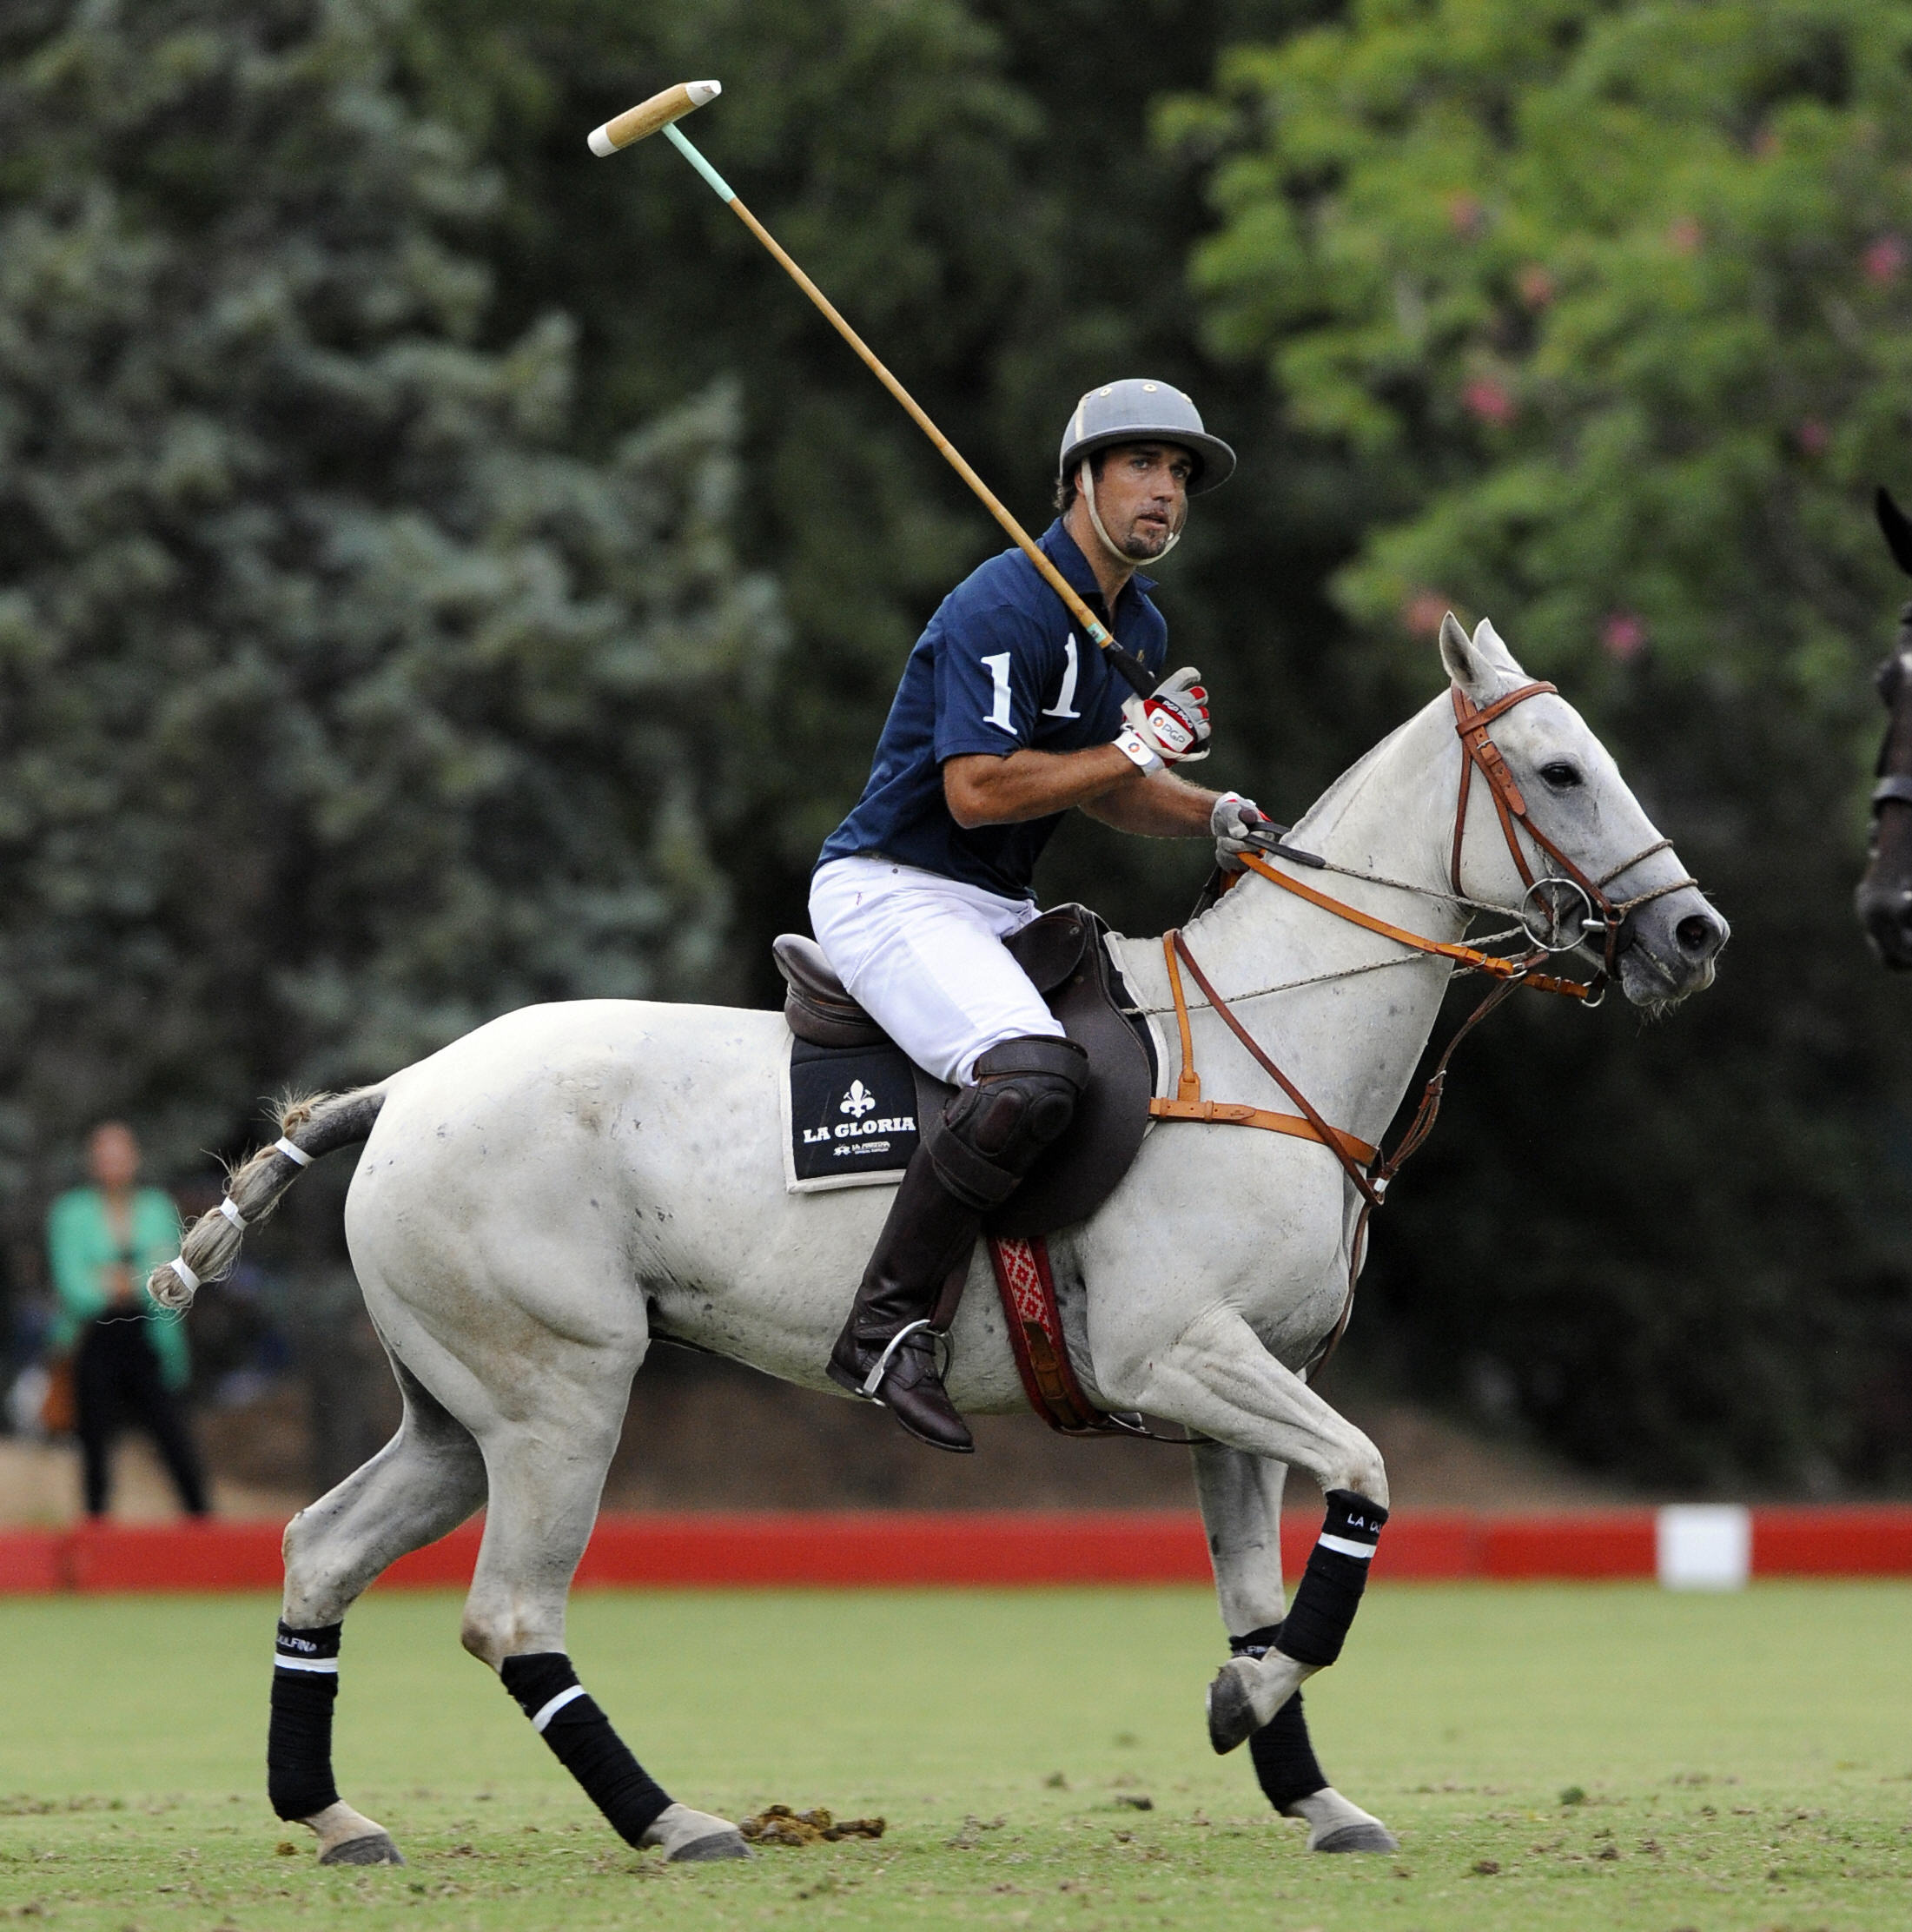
x: 858, y: 1101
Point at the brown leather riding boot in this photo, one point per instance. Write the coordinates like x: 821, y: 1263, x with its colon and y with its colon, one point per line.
x: 969, y: 1161
x: 927, y: 1237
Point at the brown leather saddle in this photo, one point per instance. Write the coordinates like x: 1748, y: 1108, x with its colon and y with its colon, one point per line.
x: 1068, y: 963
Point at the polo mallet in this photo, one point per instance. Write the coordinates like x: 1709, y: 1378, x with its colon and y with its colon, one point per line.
x: 662, y: 110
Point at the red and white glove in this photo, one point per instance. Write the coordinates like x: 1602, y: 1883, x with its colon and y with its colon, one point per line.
x: 1169, y: 726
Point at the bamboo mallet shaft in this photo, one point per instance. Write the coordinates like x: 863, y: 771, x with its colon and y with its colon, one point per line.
x: 661, y: 110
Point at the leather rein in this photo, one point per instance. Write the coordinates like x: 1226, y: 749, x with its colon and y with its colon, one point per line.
x: 1367, y: 1167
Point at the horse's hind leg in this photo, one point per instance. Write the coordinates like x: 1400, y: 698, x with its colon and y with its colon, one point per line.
x: 546, y: 1474
x: 424, y: 1483
x: 1240, y: 1499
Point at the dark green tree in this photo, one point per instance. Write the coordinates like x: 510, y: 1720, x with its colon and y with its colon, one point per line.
x: 1607, y: 301
x: 342, y: 705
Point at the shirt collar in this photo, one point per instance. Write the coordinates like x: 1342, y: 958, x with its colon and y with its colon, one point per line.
x: 1066, y: 554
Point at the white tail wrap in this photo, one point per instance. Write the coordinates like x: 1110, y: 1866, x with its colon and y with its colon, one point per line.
x: 285, y: 1147
x: 229, y: 1208
x: 178, y: 1266
x: 659, y: 111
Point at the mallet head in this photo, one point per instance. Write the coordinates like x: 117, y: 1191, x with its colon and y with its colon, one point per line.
x: 659, y: 111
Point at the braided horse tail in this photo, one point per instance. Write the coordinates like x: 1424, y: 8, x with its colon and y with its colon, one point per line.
x: 309, y: 1127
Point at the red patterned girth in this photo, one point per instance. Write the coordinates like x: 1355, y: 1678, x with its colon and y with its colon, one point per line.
x: 1027, y: 1288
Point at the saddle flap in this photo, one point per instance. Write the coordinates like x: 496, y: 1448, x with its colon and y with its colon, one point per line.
x: 1064, y: 956
x: 1079, y: 1172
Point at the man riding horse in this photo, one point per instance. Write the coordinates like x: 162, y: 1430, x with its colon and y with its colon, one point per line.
x: 1004, y: 719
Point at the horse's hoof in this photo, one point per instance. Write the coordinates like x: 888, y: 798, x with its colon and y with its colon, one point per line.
x: 1370, y: 1836
x: 375, y: 1849
x: 1232, y: 1720
x: 707, y: 1851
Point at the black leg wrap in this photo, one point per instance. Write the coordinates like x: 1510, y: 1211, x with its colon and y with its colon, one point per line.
x: 1329, y: 1591
x: 1284, y: 1763
x: 299, y: 1744
x: 581, y: 1738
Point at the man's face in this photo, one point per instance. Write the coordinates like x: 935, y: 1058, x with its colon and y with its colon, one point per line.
x: 1143, y: 495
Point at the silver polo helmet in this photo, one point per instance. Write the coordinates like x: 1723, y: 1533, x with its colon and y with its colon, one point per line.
x: 1139, y: 410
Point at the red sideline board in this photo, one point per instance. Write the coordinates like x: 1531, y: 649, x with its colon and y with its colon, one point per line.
x: 839, y: 1550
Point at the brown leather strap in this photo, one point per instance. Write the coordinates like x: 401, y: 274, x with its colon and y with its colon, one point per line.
x: 1323, y: 1131
x: 1228, y: 1112
x: 1465, y: 955
x: 1478, y: 748
x: 1189, y: 1085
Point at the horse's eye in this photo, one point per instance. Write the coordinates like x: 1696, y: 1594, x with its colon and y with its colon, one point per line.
x: 1561, y: 776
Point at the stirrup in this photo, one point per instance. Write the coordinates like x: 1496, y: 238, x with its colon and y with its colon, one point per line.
x: 867, y: 1388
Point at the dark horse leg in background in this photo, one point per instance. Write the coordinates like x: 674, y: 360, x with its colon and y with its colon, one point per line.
x: 1884, y: 897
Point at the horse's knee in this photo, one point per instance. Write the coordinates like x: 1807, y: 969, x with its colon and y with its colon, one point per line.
x: 316, y: 1592
x: 1357, y: 1465
x: 497, y: 1625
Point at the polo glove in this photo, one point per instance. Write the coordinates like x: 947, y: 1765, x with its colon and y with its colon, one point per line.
x: 1232, y: 822
x: 1171, y: 722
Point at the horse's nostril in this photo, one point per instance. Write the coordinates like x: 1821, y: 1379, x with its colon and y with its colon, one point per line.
x: 1697, y: 935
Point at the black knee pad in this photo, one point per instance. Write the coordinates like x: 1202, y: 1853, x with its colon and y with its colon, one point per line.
x: 992, y: 1133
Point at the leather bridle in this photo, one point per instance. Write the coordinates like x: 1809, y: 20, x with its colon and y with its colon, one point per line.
x: 1369, y: 1169
x: 1479, y: 752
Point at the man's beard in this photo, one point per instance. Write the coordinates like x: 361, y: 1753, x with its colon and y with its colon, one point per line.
x: 1144, y: 542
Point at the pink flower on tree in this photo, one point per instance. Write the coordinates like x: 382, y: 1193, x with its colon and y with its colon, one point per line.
x: 1536, y: 286
x: 1489, y: 401
x: 1684, y: 235
x: 1884, y: 260
x: 1813, y: 436
x: 1422, y: 612
x: 1466, y: 215
x: 1623, y: 636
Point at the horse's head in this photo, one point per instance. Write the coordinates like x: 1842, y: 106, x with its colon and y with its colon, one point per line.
x: 1569, y: 817
x: 1884, y: 897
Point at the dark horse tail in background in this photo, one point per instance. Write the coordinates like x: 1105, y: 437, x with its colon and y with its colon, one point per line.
x: 1884, y: 897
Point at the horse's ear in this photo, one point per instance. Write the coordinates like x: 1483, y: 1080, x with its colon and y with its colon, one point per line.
x: 1482, y: 665
x: 1897, y: 528
x: 1489, y: 648
x: 1457, y: 654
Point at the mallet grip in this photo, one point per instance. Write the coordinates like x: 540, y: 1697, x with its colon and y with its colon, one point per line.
x: 659, y: 111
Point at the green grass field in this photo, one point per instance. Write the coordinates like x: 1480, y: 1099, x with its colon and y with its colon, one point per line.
x: 1581, y: 1758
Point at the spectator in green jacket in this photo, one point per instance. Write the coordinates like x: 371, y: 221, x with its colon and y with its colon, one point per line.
x: 129, y: 1360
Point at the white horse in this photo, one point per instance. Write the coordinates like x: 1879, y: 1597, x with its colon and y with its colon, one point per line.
x: 541, y: 1199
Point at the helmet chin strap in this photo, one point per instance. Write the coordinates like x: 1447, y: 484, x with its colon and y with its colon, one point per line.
x: 1085, y: 481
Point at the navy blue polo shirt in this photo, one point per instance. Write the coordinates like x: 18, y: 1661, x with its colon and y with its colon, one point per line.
x: 1001, y: 666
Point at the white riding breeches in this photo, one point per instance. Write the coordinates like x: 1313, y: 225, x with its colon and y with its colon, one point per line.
x: 923, y: 956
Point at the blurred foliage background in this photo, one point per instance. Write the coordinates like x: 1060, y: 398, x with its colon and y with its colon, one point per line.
x: 439, y: 570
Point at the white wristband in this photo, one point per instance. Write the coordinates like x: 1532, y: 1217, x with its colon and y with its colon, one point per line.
x: 1138, y: 751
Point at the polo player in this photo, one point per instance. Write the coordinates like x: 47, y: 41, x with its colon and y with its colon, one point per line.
x: 1004, y: 719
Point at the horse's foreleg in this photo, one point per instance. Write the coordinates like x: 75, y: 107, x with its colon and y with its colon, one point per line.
x: 1218, y: 1379
x: 425, y: 1482
x: 547, y: 1476
x: 1241, y: 1498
